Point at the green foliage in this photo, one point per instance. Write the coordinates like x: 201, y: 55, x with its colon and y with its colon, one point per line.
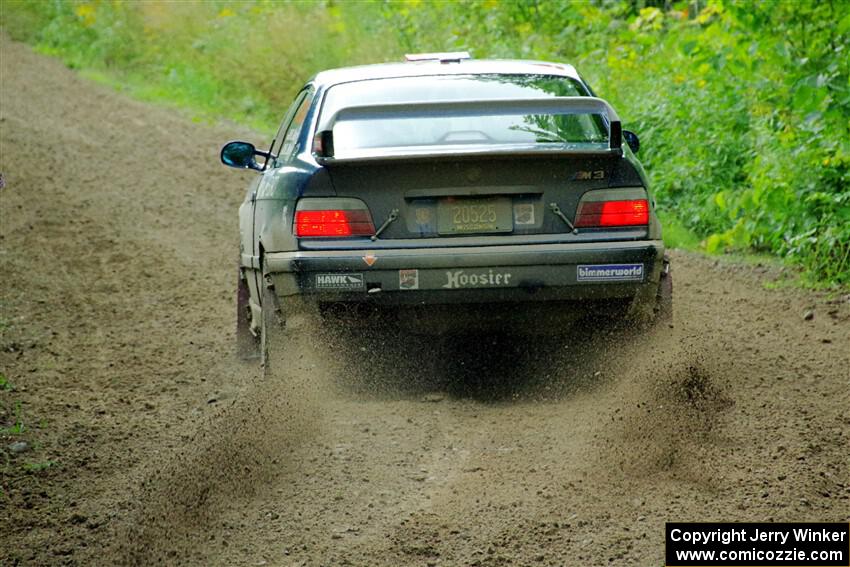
x: 37, y: 467
x: 743, y: 108
x: 5, y: 385
x: 676, y: 235
x: 18, y: 427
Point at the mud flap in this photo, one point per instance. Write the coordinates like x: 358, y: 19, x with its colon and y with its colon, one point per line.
x: 247, y: 344
x: 664, y: 296
x: 654, y: 304
x: 284, y: 320
x: 271, y: 332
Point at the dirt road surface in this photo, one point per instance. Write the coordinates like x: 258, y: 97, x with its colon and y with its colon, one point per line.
x: 147, y: 443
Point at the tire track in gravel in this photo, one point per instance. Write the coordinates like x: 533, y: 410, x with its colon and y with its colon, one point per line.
x: 117, y: 240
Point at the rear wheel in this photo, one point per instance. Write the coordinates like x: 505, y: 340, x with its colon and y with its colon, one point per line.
x: 272, y: 333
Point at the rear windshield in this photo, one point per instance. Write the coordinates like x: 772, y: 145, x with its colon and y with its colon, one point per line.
x: 351, y: 135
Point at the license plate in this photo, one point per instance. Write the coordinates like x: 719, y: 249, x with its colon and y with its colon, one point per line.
x: 466, y: 216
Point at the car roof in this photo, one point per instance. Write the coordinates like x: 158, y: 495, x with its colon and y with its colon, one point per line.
x: 435, y: 67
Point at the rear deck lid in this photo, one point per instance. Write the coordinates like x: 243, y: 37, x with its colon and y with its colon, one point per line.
x: 517, y: 162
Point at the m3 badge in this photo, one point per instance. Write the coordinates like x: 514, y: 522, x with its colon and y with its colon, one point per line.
x: 589, y: 175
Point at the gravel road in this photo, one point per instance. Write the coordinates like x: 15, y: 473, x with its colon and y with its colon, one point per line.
x: 148, y: 443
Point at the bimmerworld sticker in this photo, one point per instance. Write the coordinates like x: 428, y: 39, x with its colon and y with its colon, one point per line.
x: 346, y: 282
x: 610, y: 273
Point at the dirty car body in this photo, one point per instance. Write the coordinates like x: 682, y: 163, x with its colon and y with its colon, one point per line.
x: 448, y: 191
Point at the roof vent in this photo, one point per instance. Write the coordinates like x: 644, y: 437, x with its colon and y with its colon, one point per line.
x: 451, y: 57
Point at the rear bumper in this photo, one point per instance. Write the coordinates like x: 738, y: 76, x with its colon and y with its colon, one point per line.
x: 541, y: 272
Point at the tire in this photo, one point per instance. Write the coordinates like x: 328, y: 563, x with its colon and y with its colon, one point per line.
x: 247, y: 344
x: 271, y: 333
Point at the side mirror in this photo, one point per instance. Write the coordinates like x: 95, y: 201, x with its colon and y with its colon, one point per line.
x: 632, y: 140
x: 241, y: 155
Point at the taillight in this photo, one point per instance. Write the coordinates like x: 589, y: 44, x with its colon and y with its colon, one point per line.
x: 330, y: 217
x: 632, y: 212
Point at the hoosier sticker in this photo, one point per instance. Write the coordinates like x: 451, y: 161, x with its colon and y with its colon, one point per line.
x: 610, y: 273
x: 456, y: 279
x: 346, y: 282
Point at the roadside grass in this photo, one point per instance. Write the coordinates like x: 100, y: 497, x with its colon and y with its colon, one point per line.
x: 239, y: 61
x: 677, y: 235
x: 39, y: 466
x: 17, y: 427
x: 5, y: 384
x: 15, y: 433
x: 4, y: 323
x: 198, y: 100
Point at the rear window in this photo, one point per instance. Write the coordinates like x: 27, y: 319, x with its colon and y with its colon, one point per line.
x: 413, y: 131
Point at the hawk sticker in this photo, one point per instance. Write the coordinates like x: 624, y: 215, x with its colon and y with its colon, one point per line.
x: 341, y: 282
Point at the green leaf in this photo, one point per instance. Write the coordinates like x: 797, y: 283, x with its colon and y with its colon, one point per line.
x: 713, y: 244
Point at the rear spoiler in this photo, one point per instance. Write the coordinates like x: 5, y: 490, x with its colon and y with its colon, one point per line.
x: 323, y: 141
